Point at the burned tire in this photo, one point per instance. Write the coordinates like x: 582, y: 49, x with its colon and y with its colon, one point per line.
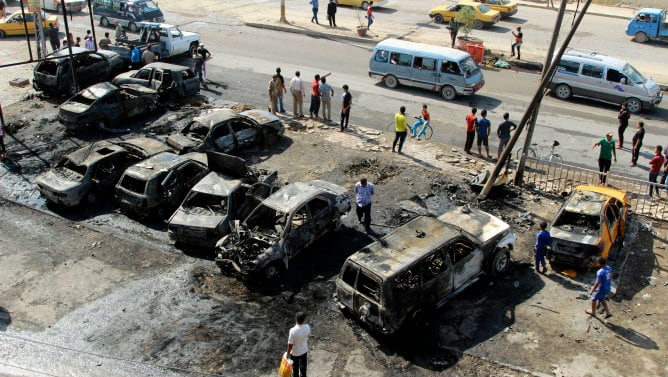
x: 500, y: 262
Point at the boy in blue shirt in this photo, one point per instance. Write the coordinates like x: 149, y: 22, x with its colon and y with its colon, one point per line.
x: 601, y: 288
x: 482, y: 129
x: 543, y: 240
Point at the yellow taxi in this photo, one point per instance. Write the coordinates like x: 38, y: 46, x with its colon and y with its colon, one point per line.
x: 484, y: 16
x: 507, y: 8
x: 13, y: 24
x: 358, y: 3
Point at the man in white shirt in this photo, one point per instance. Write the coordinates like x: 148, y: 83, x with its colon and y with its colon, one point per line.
x: 298, y: 344
x: 298, y: 93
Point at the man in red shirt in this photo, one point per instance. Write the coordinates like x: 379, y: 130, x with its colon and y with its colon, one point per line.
x: 315, y: 95
x: 654, y: 169
x: 470, y: 130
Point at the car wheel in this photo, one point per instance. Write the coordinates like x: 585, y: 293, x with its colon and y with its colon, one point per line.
x: 500, y: 262
x: 448, y: 92
x: 104, y: 21
x: 634, y: 105
x: 91, y: 197
x: 365, y: 5
x: 133, y: 27
x: 477, y: 24
x: 2, y: 34
x: 563, y: 91
x: 640, y: 37
x: 391, y: 81
x: 438, y: 18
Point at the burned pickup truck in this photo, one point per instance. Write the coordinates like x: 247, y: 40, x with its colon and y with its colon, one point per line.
x: 283, y: 225
x: 218, y: 199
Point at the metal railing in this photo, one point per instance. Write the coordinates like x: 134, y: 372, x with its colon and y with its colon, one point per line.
x: 561, y: 179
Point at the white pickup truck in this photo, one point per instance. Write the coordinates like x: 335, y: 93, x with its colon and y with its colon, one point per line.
x: 166, y: 40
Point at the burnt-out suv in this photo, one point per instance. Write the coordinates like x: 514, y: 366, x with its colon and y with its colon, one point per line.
x: 421, y: 265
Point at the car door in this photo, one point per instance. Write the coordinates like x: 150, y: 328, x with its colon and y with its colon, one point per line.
x: 616, y: 88
x: 592, y: 80
x: 323, y: 212
x: 14, y: 25
x: 436, y: 277
x: 299, y: 232
x: 221, y: 138
x: 142, y: 77
x: 609, y: 229
x: 467, y: 261
x: 111, y: 108
x: 92, y: 70
x: 131, y: 103
x: 156, y: 82
x: 424, y: 73
x: 245, y: 133
x: 108, y: 171
x: 401, y: 65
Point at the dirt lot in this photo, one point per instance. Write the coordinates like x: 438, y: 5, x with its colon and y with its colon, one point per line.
x: 112, y: 297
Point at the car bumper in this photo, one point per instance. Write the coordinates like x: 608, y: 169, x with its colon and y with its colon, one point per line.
x: 58, y: 197
x: 508, y: 14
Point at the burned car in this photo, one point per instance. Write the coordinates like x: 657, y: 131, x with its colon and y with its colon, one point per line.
x: 283, y: 225
x: 421, y: 265
x: 54, y: 74
x: 157, y: 185
x: 219, y: 198
x: 91, y: 171
x: 106, y: 106
x: 226, y: 131
x: 591, y: 223
x: 169, y: 80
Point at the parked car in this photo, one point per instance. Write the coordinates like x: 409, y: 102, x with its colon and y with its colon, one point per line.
x: 219, y: 198
x: 54, y: 76
x: 484, y: 16
x: 57, y: 5
x: 107, y: 106
x: 281, y: 227
x: 127, y: 12
x: 165, y: 41
x: 421, y: 265
x: 226, y: 131
x: 591, y: 223
x: 93, y: 170
x: 158, y: 185
x: 507, y: 8
x: 170, y: 80
x: 15, y: 24
x: 361, y: 3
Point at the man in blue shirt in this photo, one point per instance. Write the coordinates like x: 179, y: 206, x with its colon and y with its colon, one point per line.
x: 135, y: 57
x: 363, y: 192
x: 601, y: 288
x: 543, y: 240
x: 482, y: 129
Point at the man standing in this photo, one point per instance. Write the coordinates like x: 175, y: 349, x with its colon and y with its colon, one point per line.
x: 314, y: 109
x: 89, y: 42
x: 601, y: 288
x: 654, y: 169
x: 503, y: 132
x: 518, y: 42
x: 205, y: 55
x: 400, y: 129
x: 314, y: 3
x: 482, y: 126
x: 637, y: 143
x: 105, y: 42
x: 326, y: 93
x: 53, y: 37
x: 298, y: 345
x: 454, y: 29
x: 543, y: 240
x: 281, y: 90
x: 197, y: 63
x: 623, y: 119
x: 119, y: 31
x: 273, y: 94
x: 331, y: 13
x: 346, y: 103
x: 470, y: 130
x: 605, y: 156
x: 363, y: 192
x: 135, y: 57
x: 148, y: 56
x: 298, y: 92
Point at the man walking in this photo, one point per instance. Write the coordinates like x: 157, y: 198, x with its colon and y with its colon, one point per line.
x: 637, y: 143
x: 601, y: 288
x: 518, y: 42
x: 605, y: 156
x: 363, y: 192
x: 369, y: 15
x: 314, y: 8
x: 470, y: 130
x: 503, y: 132
x: 326, y: 93
x: 482, y: 126
x: 331, y: 13
x: 400, y: 129
x: 623, y: 119
x: 298, y: 345
x: 298, y: 92
x: 197, y: 63
x: 346, y: 103
x: 454, y: 29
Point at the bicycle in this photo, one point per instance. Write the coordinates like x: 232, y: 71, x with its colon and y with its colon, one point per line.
x: 554, y: 155
x: 428, y: 130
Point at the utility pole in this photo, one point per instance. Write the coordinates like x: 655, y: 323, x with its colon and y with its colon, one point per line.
x: 39, y: 35
x: 519, y: 173
x: 540, y: 92
x: 283, y: 12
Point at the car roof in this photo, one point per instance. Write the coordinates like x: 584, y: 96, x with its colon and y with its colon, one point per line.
x: 650, y: 11
x: 159, y: 163
x: 478, y: 224
x: 214, y: 116
x: 404, y: 246
x: 594, y: 56
x: 65, y: 52
x: 169, y: 66
x: 217, y: 183
x: 293, y: 195
x: 591, y: 199
x: 146, y: 146
x: 95, y: 152
x: 98, y: 90
x: 398, y: 45
x: 262, y: 117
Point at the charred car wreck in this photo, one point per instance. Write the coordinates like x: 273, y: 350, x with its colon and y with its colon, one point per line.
x: 283, y: 225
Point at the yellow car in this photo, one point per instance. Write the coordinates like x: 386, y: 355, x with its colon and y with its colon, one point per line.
x: 507, y: 8
x: 484, y: 16
x: 359, y: 3
x: 14, y: 24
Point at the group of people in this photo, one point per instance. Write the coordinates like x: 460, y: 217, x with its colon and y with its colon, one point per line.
x: 331, y: 12
x: 478, y: 129
x: 56, y: 44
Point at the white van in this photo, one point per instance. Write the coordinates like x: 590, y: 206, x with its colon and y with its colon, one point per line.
x: 597, y: 76
x: 446, y: 70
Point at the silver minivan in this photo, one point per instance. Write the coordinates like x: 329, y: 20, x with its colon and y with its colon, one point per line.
x: 446, y: 70
x: 590, y: 74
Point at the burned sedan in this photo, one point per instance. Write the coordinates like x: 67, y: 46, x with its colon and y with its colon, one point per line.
x: 226, y: 131
x: 157, y: 185
x: 170, y: 80
x: 283, y: 225
x: 82, y: 176
x: 591, y: 223
x: 421, y: 265
x: 219, y: 198
x: 107, y: 106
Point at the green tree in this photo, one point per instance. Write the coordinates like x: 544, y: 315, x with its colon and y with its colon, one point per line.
x: 466, y: 19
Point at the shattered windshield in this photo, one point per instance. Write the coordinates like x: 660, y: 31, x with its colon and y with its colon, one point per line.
x: 264, y: 217
x: 83, y: 100
x: 198, y: 203
x: 579, y: 223
x: 67, y: 169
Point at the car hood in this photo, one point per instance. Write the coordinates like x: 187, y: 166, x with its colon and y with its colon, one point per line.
x: 652, y: 87
x: 123, y: 77
x: 585, y: 239
x: 181, y: 142
x: 56, y: 183
x: 440, y: 9
x: 182, y: 218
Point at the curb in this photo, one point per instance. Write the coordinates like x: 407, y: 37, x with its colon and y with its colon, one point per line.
x: 572, y: 11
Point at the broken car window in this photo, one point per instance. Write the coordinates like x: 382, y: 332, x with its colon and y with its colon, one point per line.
x: 433, y: 265
x: 408, y: 280
x: 318, y: 205
x: 368, y: 287
x: 349, y: 275
x: 199, y: 203
x: 579, y: 223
